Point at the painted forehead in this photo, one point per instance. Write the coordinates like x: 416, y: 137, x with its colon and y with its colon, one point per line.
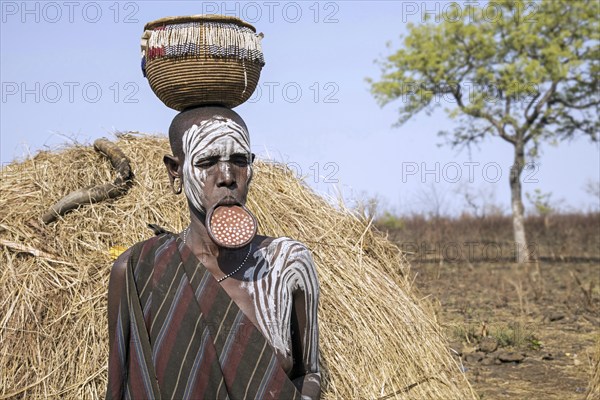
x: 211, y: 133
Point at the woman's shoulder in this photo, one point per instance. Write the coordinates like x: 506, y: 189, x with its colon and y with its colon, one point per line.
x: 284, y: 255
x: 135, y: 251
x: 283, y: 247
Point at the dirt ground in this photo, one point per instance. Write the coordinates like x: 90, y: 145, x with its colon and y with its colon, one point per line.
x: 519, y: 332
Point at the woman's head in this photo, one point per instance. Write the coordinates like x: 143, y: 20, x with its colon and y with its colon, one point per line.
x: 212, y: 156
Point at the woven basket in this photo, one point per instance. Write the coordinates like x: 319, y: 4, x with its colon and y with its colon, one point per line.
x: 201, y: 60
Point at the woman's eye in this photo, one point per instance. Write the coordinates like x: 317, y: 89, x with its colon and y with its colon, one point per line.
x: 206, y: 163
x: 240, y: 161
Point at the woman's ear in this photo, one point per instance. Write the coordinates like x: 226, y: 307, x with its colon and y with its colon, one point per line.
x: 251, y: 167
x: 174, y: 171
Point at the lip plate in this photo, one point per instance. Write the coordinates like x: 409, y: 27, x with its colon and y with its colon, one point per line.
x: 209, y: 223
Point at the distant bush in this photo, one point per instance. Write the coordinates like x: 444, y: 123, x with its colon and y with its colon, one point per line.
x: 389, y: 221
x: 552, y: 236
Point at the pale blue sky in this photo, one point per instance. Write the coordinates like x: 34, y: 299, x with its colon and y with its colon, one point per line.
x: 314, y: 109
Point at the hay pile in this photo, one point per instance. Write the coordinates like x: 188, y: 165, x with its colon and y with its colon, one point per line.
x: 376, y: 339
x: 593, y: 391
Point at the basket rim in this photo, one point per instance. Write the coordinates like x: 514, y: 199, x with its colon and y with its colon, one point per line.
x: 198, y: 18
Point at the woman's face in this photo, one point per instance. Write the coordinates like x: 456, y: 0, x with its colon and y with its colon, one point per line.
x: 217, y: 165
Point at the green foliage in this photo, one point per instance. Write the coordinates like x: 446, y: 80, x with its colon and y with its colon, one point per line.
x: 516, y: 335
x: 526, y: 74
x: 541, y: 202
x: 535, y: 344
x: 468, y: 332
x: 389, y: 221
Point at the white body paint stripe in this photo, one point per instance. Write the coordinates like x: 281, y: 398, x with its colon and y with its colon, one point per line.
x: 282, y: 268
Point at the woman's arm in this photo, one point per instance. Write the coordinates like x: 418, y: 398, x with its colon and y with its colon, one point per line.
x: 116, y: 284
x: 305, y: 330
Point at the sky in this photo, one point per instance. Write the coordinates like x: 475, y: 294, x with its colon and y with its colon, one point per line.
x: 70, y: 72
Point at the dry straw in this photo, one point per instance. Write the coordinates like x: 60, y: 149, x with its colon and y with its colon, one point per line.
x: 377, y: 338
x: 593, y: 391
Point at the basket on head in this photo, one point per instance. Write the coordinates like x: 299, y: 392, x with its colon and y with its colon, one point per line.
x: 201, y: 60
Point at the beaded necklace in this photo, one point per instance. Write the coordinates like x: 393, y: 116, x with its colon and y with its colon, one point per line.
x: 185, y: 233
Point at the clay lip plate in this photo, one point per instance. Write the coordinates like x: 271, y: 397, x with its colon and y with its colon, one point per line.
x: 231, y: 225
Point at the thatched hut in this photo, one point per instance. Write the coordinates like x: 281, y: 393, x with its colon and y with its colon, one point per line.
x: 378, y: 340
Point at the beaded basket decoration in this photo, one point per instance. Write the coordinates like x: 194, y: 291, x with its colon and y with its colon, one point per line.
x: 201, y: 60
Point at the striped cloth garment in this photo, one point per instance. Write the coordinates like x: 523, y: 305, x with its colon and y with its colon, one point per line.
x: 180, y: 336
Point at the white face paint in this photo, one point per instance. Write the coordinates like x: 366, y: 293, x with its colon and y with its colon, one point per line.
x: 218, y: 137
x: 281, y: 269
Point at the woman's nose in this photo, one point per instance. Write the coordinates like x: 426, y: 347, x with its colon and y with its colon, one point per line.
x: 225, y: 174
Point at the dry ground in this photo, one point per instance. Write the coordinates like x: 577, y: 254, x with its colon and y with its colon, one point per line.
x: 544, y: 317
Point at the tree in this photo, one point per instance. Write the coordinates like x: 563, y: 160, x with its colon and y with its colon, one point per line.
x: 525, y: 72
